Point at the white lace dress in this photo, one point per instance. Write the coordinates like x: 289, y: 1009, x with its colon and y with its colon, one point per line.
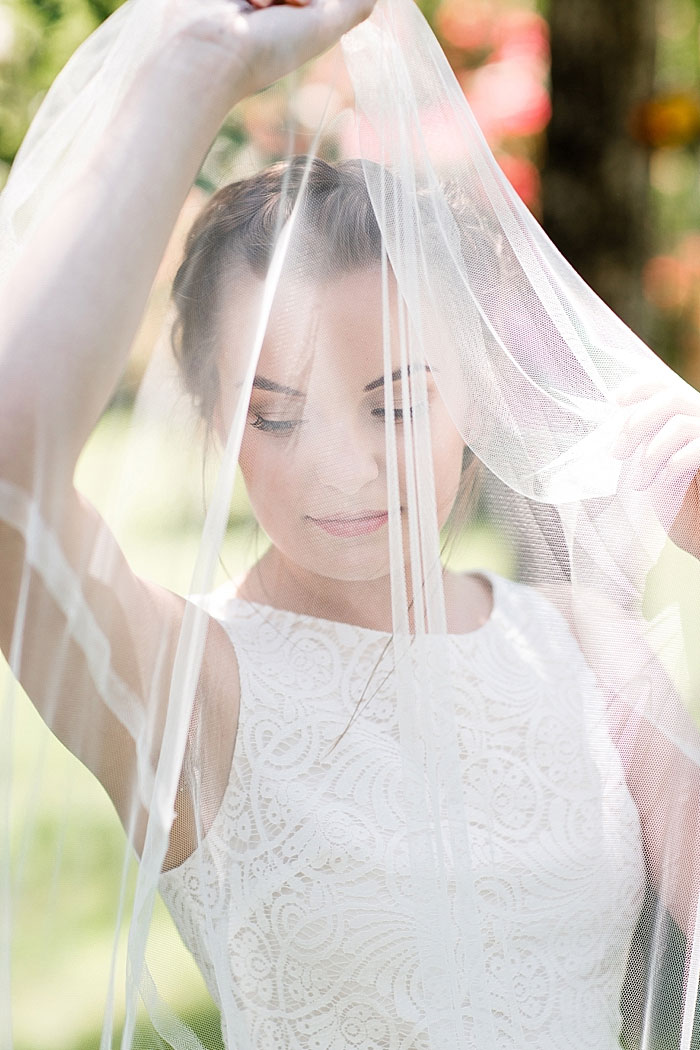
x: 297, y: 904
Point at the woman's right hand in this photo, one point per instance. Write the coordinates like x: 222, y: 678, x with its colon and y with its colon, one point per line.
x: 81, y: 283
x: 71, y: 306
x: 238, y: 47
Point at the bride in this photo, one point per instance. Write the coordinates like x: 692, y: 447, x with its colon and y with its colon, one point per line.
x: 386, y: 803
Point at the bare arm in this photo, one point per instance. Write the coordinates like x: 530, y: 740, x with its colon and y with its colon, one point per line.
x: 70, y: 311
x: 74, y: 303
x: 662, y: 779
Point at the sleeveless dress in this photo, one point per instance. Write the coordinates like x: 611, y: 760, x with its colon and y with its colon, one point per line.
x: 297, y: 905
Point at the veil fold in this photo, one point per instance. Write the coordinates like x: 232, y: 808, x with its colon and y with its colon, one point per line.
x: 399, y: 766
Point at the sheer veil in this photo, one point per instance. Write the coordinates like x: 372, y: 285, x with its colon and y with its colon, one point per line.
x: 407, y: 761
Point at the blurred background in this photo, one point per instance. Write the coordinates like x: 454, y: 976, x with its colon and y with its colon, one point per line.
x: 592, y: 108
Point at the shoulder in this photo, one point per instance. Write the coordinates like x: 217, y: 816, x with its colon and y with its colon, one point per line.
x: 541, y: 619
x: 476, y: 598
x: 213, y: 728
x: 526, y: 601
x: 217, y: 603
x: 469, y: 601
x: 236, y: 619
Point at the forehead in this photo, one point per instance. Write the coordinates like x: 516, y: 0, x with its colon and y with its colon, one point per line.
x: 331, y: 331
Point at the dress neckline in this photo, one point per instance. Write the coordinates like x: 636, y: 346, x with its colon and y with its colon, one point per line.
x: 341, y: 625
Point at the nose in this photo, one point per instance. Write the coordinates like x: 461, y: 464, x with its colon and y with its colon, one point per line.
x: 347, y: 456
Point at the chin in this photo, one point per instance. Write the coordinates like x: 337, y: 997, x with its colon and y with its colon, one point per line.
x: 359, y: 563
x: 351, y: 570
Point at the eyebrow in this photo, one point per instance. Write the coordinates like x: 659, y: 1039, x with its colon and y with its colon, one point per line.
x: 394, y: 376
x: 269, y: 384
x: 263, y: 383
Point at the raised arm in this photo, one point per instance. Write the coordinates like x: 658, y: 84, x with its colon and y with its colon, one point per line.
x: 73, y: 305
x: 70, y: 311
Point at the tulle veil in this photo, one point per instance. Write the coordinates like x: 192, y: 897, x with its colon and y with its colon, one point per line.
x: 375, y: 151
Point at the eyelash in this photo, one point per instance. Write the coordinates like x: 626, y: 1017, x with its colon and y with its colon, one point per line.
x: 285, y: 426
x: 274, y: 426
x: 398, y: 412
x: 380, y: 413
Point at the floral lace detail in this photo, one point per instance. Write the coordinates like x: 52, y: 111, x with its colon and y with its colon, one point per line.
x: 297, y: 905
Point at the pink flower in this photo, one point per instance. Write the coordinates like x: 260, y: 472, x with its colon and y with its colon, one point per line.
x: 467, y: 26
x: 523, y: 177
x: 508, y: 98
x: 523, y: 35
x: 667, y: 283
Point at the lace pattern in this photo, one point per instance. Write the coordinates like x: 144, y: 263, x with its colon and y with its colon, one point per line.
x: 297, y: 904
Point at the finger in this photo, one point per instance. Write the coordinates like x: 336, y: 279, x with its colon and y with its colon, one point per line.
x: 640, y: 432
x: 636, y: 390
x: 278, y: 3
x: 292, y: 33
x: 685, y: 459
x: 650, y: 459
x: 647, y: 419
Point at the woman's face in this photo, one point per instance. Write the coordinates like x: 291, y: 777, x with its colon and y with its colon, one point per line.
x: 313, y: 452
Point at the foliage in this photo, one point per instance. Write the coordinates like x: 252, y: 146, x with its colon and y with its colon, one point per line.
x: 499, y: 51
x: 497, y: 47
x: 36, y: 39
x: 672, y: 277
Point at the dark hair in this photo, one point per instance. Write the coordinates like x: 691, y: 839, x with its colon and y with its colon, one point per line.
x: 336, y: 233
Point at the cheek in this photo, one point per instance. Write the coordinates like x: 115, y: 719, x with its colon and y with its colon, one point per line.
x: 277, y: 482
x: 268, y: 473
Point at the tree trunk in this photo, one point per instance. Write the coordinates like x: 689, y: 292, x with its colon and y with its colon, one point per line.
x: 594, y: 185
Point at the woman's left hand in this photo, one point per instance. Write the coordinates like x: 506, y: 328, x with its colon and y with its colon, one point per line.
x: 660, y: 446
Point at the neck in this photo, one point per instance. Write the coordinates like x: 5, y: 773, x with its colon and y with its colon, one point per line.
x: 276, y: 581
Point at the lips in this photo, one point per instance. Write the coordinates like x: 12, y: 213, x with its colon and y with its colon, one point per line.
x: 355, y: 525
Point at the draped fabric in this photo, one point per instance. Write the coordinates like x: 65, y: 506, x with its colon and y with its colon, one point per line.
x: 401, y: 737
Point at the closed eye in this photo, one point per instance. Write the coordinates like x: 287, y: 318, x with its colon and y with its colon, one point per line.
x: 380, y: 413
x: 274, y: 426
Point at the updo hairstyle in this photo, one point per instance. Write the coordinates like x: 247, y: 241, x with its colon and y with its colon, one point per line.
x: 336, y: 233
